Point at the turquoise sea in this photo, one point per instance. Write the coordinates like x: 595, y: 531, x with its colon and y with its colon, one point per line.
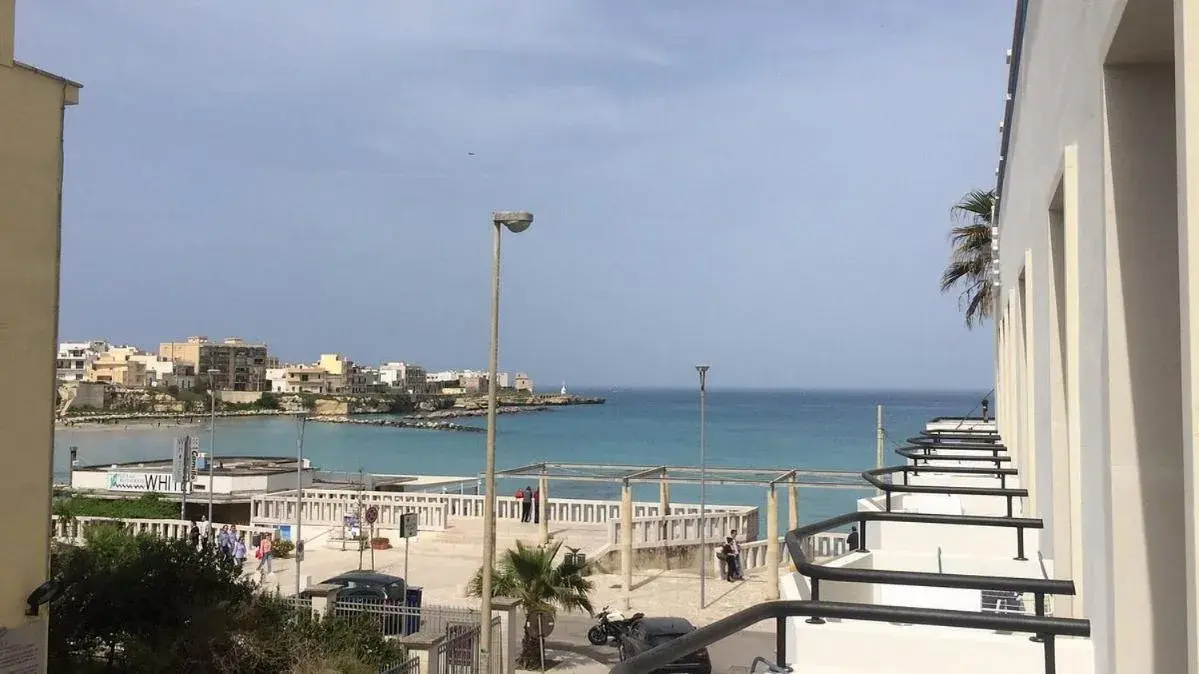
x: 832, y: 430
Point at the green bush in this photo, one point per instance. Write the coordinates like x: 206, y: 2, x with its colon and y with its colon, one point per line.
x: 147, y: 506
x: 268, y: 401
x: 283, y: 549
x: 146, y: 604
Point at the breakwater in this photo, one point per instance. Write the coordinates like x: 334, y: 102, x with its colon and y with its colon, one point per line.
x: 460, y: 413
x: 426, y: 424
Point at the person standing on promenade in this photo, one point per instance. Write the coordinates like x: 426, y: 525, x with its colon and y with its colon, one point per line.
x: 265, y: 554
x: 536, y: 506
x: 205, y: 531
x: 735, y: 559
x: 851, y: 541
x: 194, y: 535
x: 520, y: 498
x: 526, y: 505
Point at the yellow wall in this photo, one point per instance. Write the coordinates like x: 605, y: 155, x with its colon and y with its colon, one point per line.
x: 30, y: 183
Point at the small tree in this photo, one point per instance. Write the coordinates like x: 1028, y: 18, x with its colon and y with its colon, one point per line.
x: 529, y: 575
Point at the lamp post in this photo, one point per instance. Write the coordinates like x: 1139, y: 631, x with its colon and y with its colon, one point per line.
x: 516, y: 222
x: 703, y: 479
x: 211, y: 442
x: 299, y: 549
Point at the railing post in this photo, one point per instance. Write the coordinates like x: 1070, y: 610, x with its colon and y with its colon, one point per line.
x: 1020, y: 545
x: 1039, y: 603
x: 780, y: 641
x: 1002, y: 479
x: 888, y: 500
x: 1050, y: 655
x: 862, y: 536
x: 1009, y: 505
x: 815, y: 620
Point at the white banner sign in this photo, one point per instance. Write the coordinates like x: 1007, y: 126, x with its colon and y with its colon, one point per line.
x: 162, y: 483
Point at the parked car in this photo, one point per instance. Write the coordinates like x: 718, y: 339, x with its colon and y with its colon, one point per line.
x: 650, y: 632
x: 378, y: 593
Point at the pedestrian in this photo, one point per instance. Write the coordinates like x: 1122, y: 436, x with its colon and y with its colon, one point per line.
x: 205, y: 531
x: 520, y: 501
x: 851, y: 541
x: 536, y: 506
x: 265, y: 553
x: 726, y: 551
x: 224, y: 546
x: 194, y: 535
x: 239, y: 552
x: 526, y: 505
x: 736, y: 556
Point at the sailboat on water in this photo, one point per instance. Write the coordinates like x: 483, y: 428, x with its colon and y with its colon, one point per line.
x: 563, y: 392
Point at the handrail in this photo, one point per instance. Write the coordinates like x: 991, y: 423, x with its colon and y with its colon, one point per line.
x: 793, y: 540
x: 963, y: 443
x: 872, y: 476
x: 1045, y: 627
x: 917, y: 454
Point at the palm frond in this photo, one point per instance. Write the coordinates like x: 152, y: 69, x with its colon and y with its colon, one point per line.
x: 528, y: 574
x: 970, y: 255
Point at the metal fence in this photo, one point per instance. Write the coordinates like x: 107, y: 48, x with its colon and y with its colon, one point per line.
x: 411, y: 666
x: 999, y: 601
x: 398, y: 619
x: 458, y: 653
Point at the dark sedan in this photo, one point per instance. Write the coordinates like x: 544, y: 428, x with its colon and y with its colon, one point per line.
x: 650, y: 632
x: 377, y: 593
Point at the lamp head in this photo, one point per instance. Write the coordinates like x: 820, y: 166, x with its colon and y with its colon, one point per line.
x: 701, y: 368
x: 515, y: 221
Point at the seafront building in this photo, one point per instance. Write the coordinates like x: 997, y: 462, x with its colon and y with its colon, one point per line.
x: 1097, y: 300
x: 240, y: 365
x: 32, y: 120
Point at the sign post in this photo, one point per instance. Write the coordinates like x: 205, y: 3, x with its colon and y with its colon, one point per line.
x: 408, y: 529
x: 372, y: 515
x: 181, y: 471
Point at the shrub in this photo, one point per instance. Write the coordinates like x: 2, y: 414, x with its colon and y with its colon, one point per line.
x: 283, y: 549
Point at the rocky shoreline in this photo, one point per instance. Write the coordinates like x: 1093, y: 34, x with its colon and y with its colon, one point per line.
x: 400, y: 423
x: 463, y: 413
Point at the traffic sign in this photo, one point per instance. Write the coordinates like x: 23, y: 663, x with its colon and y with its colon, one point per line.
x: 539, y: 625
x: 372, y: 514
x: 408, y: 525
x: 179, y: 461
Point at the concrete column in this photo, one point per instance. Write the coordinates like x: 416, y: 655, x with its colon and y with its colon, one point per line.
x: 664, y: 497
x: 792, y: 507
x: 543, y: 486
x: 772, y: 543
x: 1031, y: 301
x: 1186, y: 60
x: 1074, y: 379
x: 626, y: 542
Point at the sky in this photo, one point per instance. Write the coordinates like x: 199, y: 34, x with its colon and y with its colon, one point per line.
x: 762, y: 186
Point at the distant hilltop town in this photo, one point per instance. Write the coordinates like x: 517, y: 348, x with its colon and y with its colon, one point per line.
x: 240, y: 369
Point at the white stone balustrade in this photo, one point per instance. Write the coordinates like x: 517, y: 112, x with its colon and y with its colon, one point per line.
x: 820, y: 546
x: 649, y: 531
x: 328, y: 506
x: 74, y: 530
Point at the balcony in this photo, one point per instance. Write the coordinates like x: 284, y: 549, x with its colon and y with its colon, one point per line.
x: 949, y: 577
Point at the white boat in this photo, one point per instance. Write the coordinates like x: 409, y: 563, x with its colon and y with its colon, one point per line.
x: 563, y: 389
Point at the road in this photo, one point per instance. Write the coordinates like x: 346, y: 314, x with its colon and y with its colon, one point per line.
x: 731, y: 655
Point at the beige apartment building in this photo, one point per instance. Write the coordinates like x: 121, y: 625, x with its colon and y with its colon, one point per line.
x: 118, y: 369
x: 241, y: 365
x: 31, y: 167
x: 1097, y: 281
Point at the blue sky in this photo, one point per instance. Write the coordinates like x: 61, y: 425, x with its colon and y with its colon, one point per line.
x: 761, y: 185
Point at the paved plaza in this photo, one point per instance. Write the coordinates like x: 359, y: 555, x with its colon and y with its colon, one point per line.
x: 443, y: 563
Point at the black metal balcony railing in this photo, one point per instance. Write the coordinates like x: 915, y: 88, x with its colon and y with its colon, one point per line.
x: 874, y: 478
x: 817, y: 572
x: 917, y: 454
x: 1044, y: 628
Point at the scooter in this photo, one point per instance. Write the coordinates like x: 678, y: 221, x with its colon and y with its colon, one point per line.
x: 611, y: 625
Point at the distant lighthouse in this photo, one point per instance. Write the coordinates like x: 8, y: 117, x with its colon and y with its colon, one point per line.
x: 563, y: 392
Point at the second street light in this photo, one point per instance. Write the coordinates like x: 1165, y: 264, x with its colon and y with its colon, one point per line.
x: 703, y: 478
x: 516, y: 222
x: 211, y: 443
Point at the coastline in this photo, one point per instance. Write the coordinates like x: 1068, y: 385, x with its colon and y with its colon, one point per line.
x: 434, y: 420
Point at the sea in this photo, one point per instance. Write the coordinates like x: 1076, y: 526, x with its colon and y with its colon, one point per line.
x: 810, y: 430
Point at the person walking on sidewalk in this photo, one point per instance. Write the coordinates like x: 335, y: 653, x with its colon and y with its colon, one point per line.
x: 536, y: 506
x: 265, y: 555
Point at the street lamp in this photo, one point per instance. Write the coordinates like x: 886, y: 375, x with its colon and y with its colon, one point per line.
x: 211, y: 442
x: 516, y: 222
x: 299, y: 544
x: 703, y: 479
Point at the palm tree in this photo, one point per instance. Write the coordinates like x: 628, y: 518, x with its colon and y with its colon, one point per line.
x: 970, y: 261
x: 529, y: 575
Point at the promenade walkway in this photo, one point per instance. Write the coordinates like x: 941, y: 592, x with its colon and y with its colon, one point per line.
x: 444, y: 562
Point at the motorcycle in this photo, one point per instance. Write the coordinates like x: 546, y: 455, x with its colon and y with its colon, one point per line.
x: 610, y: 626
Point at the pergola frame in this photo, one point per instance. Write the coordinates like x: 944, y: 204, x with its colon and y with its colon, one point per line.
x: 617, y: 473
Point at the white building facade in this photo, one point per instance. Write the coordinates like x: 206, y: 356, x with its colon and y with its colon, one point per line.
x: 1097, y: 313
x: 75, y: 357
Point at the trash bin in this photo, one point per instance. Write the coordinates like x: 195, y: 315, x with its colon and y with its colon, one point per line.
x: 412, y: 600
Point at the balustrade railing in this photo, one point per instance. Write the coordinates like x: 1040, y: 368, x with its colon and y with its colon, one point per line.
x: 74, y: 529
